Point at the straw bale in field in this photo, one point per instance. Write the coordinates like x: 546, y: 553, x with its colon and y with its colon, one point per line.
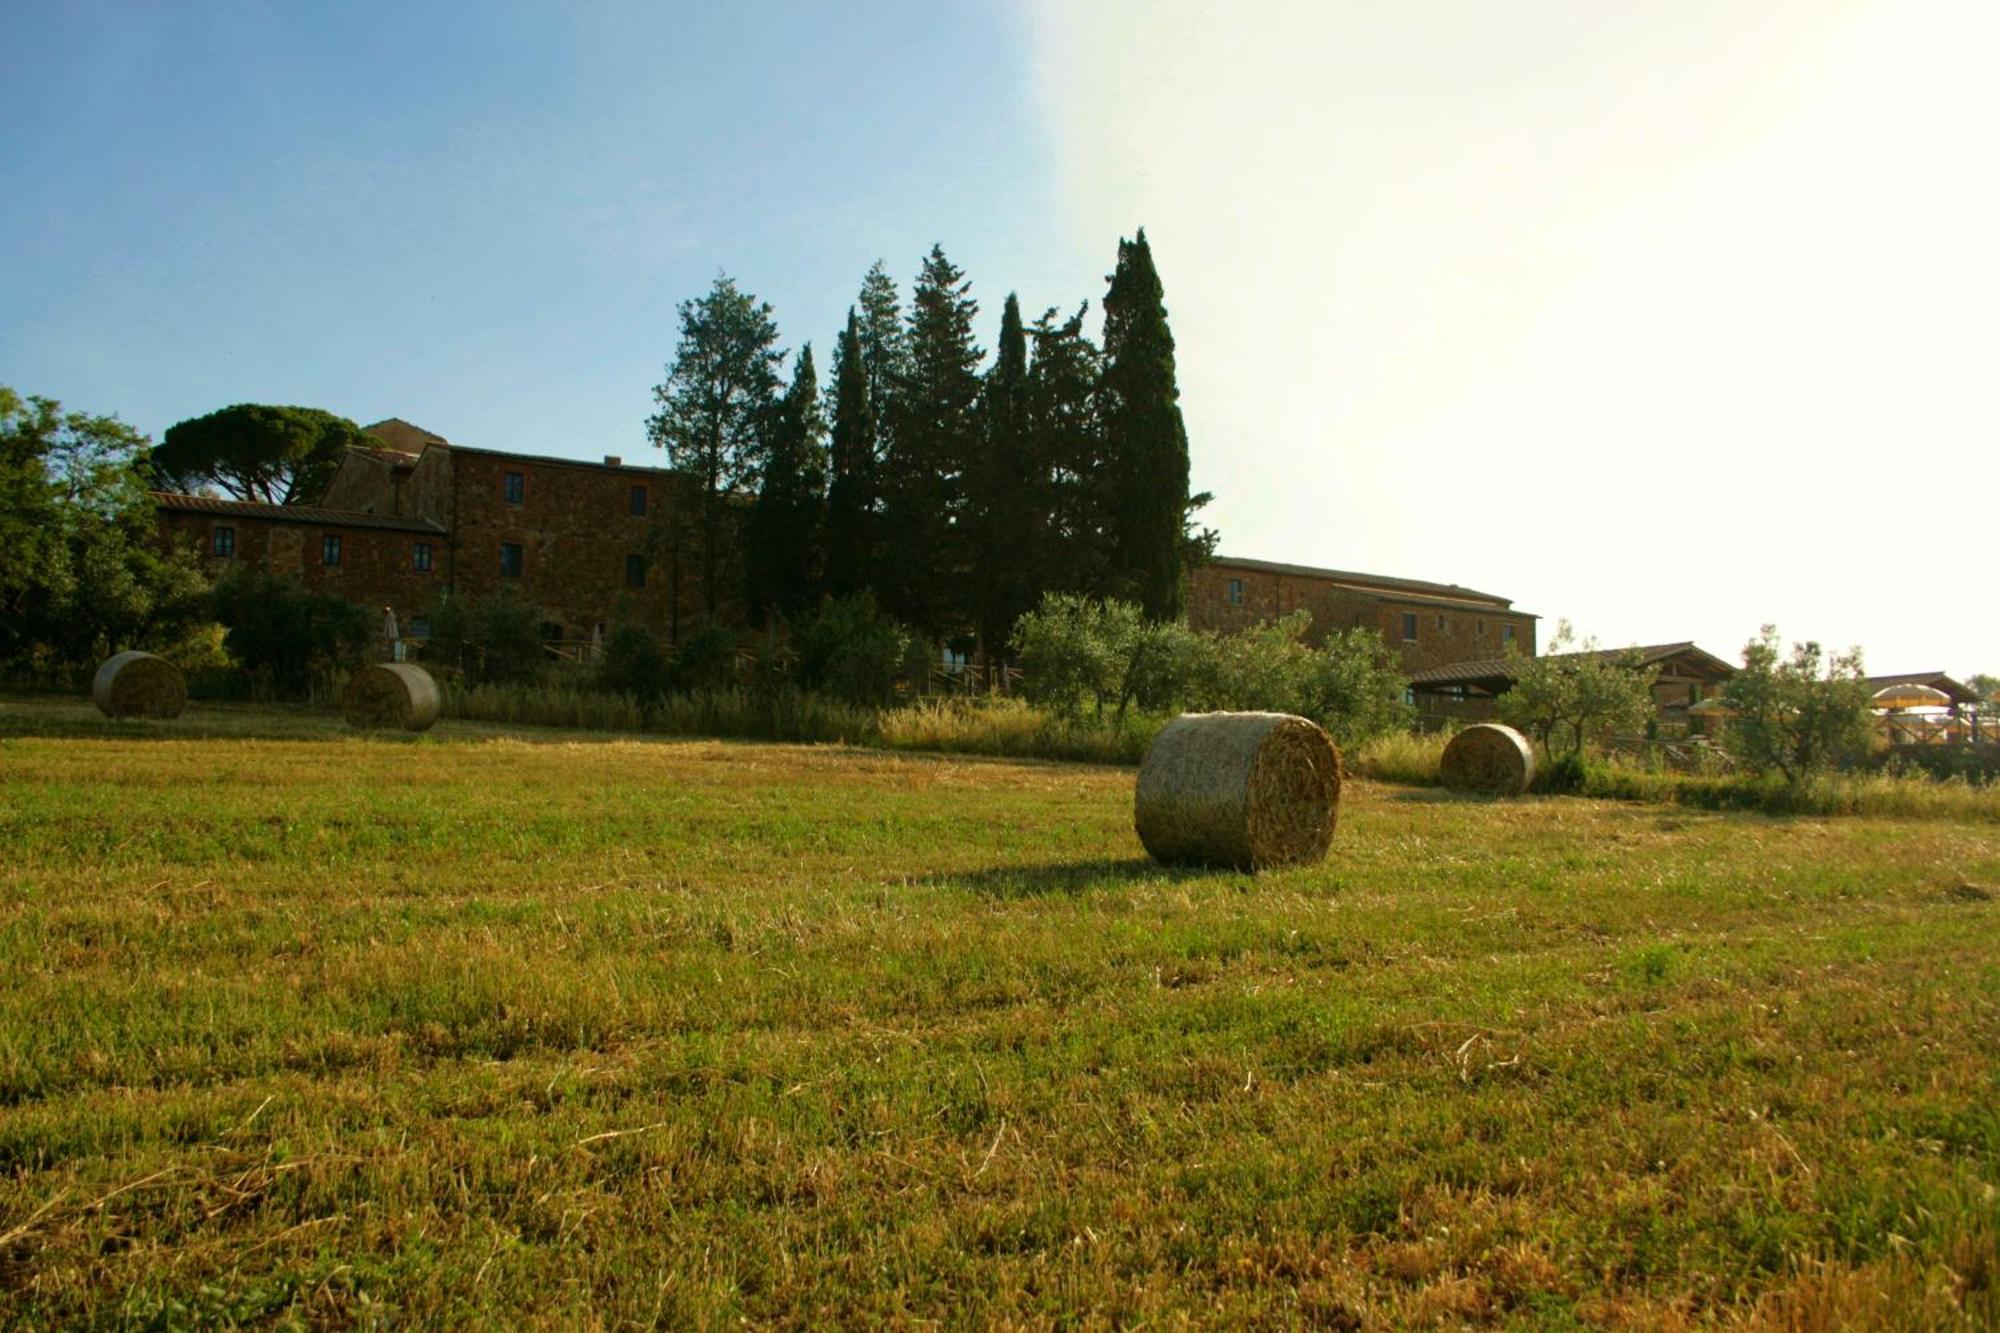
x: 390, y: 696
x: 1247, y: 790
x: 135, y: 684
x: 1488, y: 758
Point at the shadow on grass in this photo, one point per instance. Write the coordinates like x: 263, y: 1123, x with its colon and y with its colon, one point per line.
x: 1066, y: 878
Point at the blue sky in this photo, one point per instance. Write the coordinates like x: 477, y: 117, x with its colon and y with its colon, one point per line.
x: 482, y: 218
x: 1667, y: 319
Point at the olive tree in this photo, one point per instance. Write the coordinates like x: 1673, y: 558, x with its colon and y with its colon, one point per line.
x: 1800, y: 714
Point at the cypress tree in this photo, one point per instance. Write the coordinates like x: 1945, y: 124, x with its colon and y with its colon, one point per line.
x: 1066, y: 442
x: 1148, y: 501
x: 883, y: 349
x: 784, y: 557
x: 933, y: 434
x: 1006, y: 494
x: 850, y: 497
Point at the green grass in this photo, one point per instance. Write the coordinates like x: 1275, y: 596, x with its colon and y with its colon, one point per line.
x: 513, y: 1027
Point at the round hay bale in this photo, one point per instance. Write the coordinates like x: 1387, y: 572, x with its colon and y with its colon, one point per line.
x: 134, y: 684
x: 395, y: 696
x: 1490, y: 759
x: 1247, y: 790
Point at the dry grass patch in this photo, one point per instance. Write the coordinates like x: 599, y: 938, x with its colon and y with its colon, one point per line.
x: 510, y: 1027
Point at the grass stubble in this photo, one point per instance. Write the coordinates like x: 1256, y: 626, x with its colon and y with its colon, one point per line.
x: 326, y: 1029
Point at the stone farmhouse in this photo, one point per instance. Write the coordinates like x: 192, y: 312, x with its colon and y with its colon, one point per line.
x: 419, y: 516
x: 1428, y: 624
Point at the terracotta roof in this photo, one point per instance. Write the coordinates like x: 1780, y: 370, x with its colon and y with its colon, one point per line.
x: 1937, y: 680
x: 302, y: 514
x: 1369, y: 582
x: 1506, y: 668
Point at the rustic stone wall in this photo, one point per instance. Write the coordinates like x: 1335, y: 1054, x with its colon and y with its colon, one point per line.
x: 376, y: 569
x: 576, y: 529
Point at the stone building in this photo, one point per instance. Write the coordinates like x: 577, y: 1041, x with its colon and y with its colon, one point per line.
x: 1428, y: 624
x: 1682, y: 674
x: 419, y: 517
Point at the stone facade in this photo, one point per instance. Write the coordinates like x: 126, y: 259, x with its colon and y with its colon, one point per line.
x: 1428, y: 624
x: 376, y: 561
x: 591, y: 544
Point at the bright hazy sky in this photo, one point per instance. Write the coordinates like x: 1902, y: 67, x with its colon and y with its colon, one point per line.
x: 1669, y: 317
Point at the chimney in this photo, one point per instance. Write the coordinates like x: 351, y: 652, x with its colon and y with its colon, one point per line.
x: 613, y: 460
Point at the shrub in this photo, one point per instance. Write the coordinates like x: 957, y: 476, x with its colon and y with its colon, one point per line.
x: 288, y: 639
x: 705, y: 663
x: 634, y: 665
x: 491, y: 640
x: 850, y: 650
x: 1563, y: 776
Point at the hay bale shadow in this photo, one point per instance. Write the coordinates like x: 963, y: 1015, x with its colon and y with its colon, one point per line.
x: 1067, y: 879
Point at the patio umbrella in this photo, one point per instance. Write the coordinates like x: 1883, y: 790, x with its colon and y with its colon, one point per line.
x: 1909, y: 696
x: 1712, y: 708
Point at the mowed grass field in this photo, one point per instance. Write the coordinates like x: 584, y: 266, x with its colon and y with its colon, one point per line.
x: 299, y: 1027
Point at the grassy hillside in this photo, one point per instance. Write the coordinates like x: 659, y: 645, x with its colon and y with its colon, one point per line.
x: 304, y: 1027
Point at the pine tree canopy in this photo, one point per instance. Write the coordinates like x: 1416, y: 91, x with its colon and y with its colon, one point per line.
x: 716, y: 405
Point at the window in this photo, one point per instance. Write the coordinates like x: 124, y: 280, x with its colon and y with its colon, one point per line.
x: 225, y: 541
x: 1479, y: 628
x: 420, y: 557
x: 1440, y: 624
x: 510, y: 560
x: 1409, y: 627
x: 329, y: 550
x: 638, y: 502
x: 514, y: 489
x: 1506, y: 634
x: 420, y: 628
x: 1236, y: 592
x: 635, y: 571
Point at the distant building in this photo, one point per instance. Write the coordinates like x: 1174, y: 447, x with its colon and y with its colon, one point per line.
x: 1428, y: 624
x: 419, y: 516
x: 1683, y: 675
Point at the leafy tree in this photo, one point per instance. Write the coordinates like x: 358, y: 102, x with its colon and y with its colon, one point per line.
x: 634, y: 664
x: 493, y: 640
x: 82, y: 570
x: 1354, y: 687
x: 716, y: 405
x: 286, y: 637
x: 851, y: 489
x: 1147, y: 503
x: 850, y: 650
x: 1800, y: 714
x: 787, y: 524
x: 1568, y: 697
x: 1265, y: 667
x: 935, y: 433
x: 1075, y: 649
x: 1987, y: 687
x: 277, y: 455
x: 1007, y: 494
